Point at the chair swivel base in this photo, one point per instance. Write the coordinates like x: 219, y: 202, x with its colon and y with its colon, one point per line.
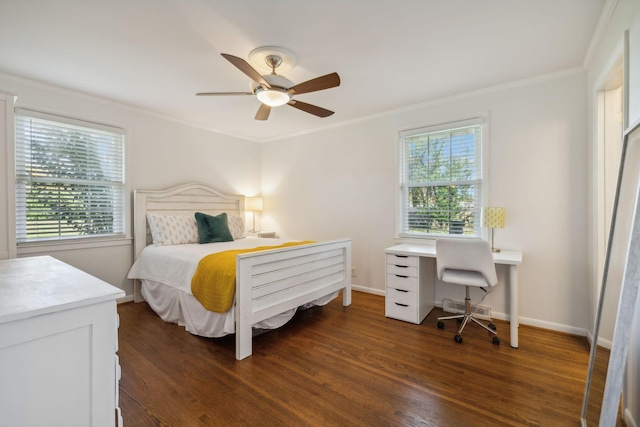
x: 464, y: 319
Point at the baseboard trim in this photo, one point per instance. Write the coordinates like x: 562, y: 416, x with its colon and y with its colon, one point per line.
x: 367, y: 290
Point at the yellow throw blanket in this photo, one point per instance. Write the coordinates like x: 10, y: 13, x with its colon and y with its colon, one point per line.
x: 214, y: 282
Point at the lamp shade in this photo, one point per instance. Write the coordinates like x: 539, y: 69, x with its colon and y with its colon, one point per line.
x: 253, y: 203
x: 493, y: 217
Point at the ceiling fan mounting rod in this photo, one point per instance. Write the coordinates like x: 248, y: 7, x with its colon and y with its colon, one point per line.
x: 273, y: 61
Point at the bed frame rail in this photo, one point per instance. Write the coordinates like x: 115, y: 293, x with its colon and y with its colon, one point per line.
x: 273, y: 281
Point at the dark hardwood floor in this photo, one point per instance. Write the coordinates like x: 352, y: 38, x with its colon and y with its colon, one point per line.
x: 348, y: 366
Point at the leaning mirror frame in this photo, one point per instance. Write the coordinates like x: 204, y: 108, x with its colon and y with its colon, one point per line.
x: 627, y: 301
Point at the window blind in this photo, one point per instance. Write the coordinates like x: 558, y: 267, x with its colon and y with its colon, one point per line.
x: 441, y: 180
x: 70, y: 179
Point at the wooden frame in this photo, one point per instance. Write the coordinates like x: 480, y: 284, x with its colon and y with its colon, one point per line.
x: 267, y: 282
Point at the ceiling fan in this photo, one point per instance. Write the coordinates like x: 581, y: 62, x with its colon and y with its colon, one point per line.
x: 273, y: 90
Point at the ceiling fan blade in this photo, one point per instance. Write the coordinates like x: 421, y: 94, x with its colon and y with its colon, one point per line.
x: 244, y: 66
x: 263, y: 112
x: 222, y: 93
x: 311, y: 109
x: 319, y: 83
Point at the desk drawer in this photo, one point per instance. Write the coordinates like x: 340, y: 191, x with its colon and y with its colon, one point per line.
x: 402, y: 296
x: 402, y: 271
x: 407, y: 261
x: 406, y: 283
x: 400, y: 311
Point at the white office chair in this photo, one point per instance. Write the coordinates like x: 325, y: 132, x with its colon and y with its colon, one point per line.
x: 468, y: 263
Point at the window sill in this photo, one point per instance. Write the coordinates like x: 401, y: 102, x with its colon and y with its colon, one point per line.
x: 53, y: 246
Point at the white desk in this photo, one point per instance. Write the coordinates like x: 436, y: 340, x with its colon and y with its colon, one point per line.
x: 511, y: 258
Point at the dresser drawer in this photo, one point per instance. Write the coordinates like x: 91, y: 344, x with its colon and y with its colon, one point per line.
x: 400, y: 311
x: 402, y: 296
x: 402, y: 271
x: 407, y: 261
x: 406, y: 283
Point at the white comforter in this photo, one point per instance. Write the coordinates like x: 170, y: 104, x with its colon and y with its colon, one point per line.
x: 166, y: 271
x: 175, y: 265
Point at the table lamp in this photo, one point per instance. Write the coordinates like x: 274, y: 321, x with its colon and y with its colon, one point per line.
x: 493, y: 217
x: 253, y: 204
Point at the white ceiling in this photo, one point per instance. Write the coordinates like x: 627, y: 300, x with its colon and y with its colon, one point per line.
x: 156, y: 54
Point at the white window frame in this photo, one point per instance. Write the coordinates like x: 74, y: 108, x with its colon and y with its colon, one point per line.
x: 36, y: 246
x: 482, y: 119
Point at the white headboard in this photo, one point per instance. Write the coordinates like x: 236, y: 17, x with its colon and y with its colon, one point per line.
x: 184, y: 199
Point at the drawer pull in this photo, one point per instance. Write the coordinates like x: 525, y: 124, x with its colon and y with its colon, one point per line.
x: 401, y: 305
x: 401, y: 290
x: 402, y: 277
x: 402, y: 266
x: 402, y: 256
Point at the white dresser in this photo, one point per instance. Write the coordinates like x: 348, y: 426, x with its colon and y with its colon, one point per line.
x: 58, y: 343
x: 410, y: 286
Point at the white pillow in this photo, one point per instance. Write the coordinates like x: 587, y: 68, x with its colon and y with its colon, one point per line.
x: 172, y: 229
x: 236, y: 226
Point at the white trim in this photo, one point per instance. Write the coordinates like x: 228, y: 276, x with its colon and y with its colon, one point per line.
x: 87, y: 243
x: 437, y: 101
x: 483, y: 120
x: 547, y: 325
x: 39, y: 114
x: 626, y: 79
x: 559, y: 327
x: 64, y: 244
x: 448, y: 125
x: 117, y: 104
x: 628, y: 418
x: 605, y: 16
x: 366, y: 290
x: 128, y: 298
x: 10, y: 165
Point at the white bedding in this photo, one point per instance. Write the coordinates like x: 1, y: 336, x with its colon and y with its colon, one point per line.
x: 165, y: 273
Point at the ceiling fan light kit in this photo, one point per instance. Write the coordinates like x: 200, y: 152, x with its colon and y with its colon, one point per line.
x: 274, y: 90
x: 272, y: 97
x: 276, y: 95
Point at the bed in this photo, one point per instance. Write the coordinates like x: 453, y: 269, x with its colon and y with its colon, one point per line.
x: 270, y: 284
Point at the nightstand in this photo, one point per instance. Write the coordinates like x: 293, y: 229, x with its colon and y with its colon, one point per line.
x: 271, y: 234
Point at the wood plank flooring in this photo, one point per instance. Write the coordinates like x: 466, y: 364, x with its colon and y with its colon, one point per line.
x: 348, y: 366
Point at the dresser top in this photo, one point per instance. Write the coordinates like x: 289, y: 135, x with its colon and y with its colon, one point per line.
x: 39, y: 285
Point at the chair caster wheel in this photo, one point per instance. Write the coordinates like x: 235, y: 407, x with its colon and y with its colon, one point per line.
x: 440, y: 325
x: 492, y: 326
x: 458, y: 339
x: 496, y: 340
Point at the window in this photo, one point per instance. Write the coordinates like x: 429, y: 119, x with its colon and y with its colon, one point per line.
x: 69, y: 178
x: 441, y: 180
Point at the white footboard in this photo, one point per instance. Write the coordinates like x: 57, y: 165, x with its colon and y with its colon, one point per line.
x: 271, y: 282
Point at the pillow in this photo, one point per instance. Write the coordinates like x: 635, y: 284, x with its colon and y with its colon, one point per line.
x: 236, y: 226
x: 172, y: 229
x: 213, y: 228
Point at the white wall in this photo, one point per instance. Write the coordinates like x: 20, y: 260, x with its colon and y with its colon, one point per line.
x: 341, y: 183
x: 162, y: 153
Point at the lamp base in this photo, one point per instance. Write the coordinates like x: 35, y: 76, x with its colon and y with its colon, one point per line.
x: 493, y: 249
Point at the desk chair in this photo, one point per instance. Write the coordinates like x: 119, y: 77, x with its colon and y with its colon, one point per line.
x: 468, y: 263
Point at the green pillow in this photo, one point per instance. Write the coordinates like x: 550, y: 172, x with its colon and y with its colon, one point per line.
x: 213, y: 228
